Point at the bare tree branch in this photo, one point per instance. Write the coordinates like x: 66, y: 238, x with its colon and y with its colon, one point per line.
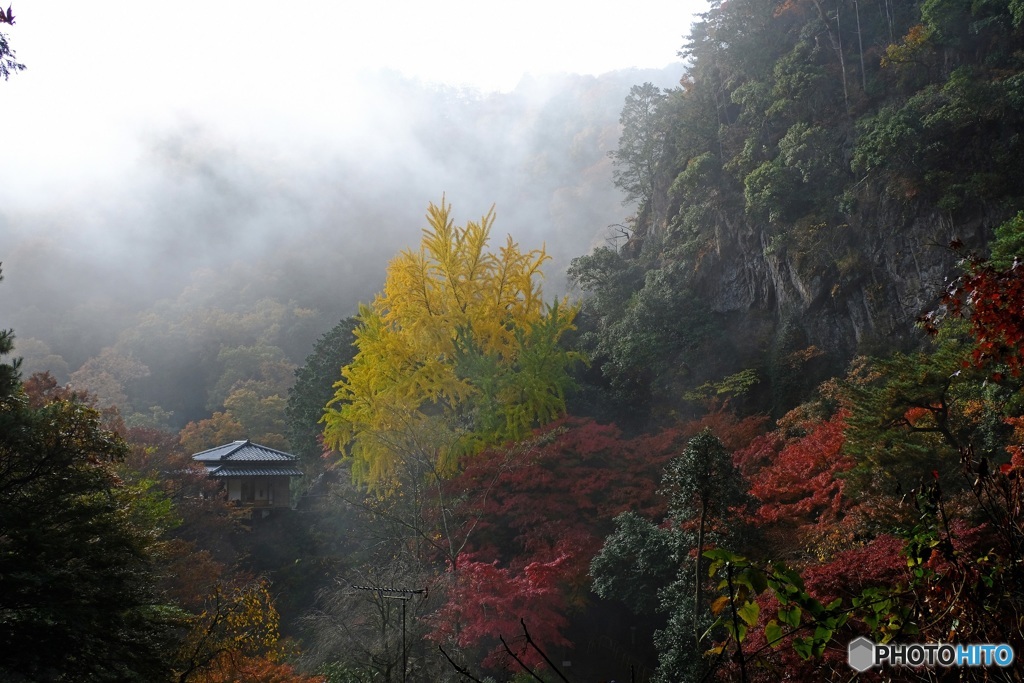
x: 458, y: 668
x: 529, y: 641
x: 519, y: 661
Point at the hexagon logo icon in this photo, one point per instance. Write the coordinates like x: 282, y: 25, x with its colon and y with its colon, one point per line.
x: 861, y: 654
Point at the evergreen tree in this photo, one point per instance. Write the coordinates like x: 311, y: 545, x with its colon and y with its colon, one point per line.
x: 641, y: 144
x: 314, y: 387
x: 641, y: 560
x: 77, y: 549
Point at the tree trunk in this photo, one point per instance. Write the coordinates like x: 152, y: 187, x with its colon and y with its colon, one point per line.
x: 837, y: 45
x: 698, y: 596
x: 860, y: 45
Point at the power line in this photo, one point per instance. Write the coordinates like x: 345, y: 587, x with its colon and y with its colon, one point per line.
x: 405, y: 595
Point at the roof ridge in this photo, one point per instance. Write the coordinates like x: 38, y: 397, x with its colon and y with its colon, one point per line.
x: 259, y: 447
x: 238, y: 445
x: 268, y: 448
x: 240, y: 450
x: 216, y: 448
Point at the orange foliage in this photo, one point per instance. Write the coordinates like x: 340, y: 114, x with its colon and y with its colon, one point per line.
x: 213, y: 431
x: 227, y: 668
x: 733, y: 432
x: 910, y: 49
x: 1016, y: 450
x: 238, y: 623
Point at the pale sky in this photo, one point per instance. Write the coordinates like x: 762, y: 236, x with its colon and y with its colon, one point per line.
x: 100, y: 74
x: 195, y: 47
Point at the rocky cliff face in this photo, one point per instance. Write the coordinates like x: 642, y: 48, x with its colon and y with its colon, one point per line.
x: 848, y: 288
x: 812, y: 212
x: 799, y: 302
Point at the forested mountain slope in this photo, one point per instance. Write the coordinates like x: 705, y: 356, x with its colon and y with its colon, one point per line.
x: 799, y: 193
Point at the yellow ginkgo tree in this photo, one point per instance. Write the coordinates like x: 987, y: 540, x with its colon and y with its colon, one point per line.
x: 457, y: 353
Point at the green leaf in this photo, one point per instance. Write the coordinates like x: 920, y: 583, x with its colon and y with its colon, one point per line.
x: 752, y: 578
x: 723, y: 555
x: 758, y: 580
x: 793, y: 582
x: 803, y: 647
x: 748, y: 612
x: 822, y: 636
x: 737, y: 631
x: 773, y: 633
x: 790, y: 617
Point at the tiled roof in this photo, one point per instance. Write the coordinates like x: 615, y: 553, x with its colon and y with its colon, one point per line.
x: 232, y: 470
x: 244, y: 451
x: 218, y: 452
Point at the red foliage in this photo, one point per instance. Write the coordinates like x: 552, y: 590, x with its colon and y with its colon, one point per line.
x: 541, y: 512
x: 42, y: 389
x: 538, y: 513
x: 879, y: 563
x: 563, y: 491
x: 486, y: 602
x: 795, y: 478
x: 916, y: 413
x: 993, y: 301
x: 733, y: 432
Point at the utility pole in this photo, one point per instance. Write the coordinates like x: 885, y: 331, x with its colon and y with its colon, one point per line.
x: 405, y: 595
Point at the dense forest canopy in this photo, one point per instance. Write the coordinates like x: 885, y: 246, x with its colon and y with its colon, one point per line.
x: 803, y: 184
x: 781, y: 409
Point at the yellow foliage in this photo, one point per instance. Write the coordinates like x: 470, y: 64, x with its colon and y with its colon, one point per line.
x: 236, y: 622
x: 447, y: 307
x: 910, y: 50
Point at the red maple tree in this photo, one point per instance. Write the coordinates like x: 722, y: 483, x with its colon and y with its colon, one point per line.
x: 992, y: 300
x: 795, y: 478
x: 535, y: 516
x: 485, y: 604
